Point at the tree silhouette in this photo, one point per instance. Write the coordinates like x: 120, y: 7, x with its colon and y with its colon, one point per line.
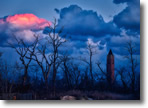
x: 55, y: 40
x: 22, y: 50
x: 91, y: 50
x: 131, y: 49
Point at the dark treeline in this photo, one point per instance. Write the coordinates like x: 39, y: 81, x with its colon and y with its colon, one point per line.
x: 46, y: 72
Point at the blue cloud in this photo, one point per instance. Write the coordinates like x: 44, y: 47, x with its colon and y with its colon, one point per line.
x: 129, y: 18
x: 3, y: 38
x: 121, y: 1
x: 57, y: 10
x: 77, y: 21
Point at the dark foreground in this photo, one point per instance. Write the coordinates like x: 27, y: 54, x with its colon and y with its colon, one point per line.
x: 70, y: 95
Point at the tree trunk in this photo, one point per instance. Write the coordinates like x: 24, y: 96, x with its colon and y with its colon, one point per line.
x: 25, y: 76
x: 90, y: 67
x: 54, y: 77
x: 133, y: 74
x: 66, y: 74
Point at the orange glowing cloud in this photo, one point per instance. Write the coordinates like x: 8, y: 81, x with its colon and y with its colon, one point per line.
x: 23, y: 26
x: 26, y: 21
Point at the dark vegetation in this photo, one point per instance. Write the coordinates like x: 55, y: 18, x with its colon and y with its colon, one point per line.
x: 47, y: 73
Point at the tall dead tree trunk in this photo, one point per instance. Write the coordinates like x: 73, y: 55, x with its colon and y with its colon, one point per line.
x: 90, y: 66
x: 55, y: 40
x: 131, y: 49
x: 91, y: 52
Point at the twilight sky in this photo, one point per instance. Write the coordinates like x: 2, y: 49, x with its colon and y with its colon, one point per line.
x: 45, y: 8
x: 109, y: 24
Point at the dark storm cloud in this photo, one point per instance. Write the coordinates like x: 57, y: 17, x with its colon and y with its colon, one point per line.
x: 129, y: 18
x: 77, y: 21
x: 3, y: 38
x: 121, y: 1
x: 57, y: 11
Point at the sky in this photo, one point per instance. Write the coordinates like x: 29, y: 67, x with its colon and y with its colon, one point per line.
x: 108, y: 24
x: 45, y: 8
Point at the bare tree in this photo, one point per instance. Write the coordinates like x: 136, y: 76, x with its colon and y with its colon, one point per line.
x: 38, y: 54
x: 91, y: 52
x: 4, y: 72
x: 75, y: 73
x: 14, y: 71
x: 46, y: 60
x: 102, y: 71
x: 22, y: 50
x: 65, y: 60
x: 72, y: 74
x: 131, y: 49
x: 55, y: 41
x: 8, y: 81
x: 122, y: 73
